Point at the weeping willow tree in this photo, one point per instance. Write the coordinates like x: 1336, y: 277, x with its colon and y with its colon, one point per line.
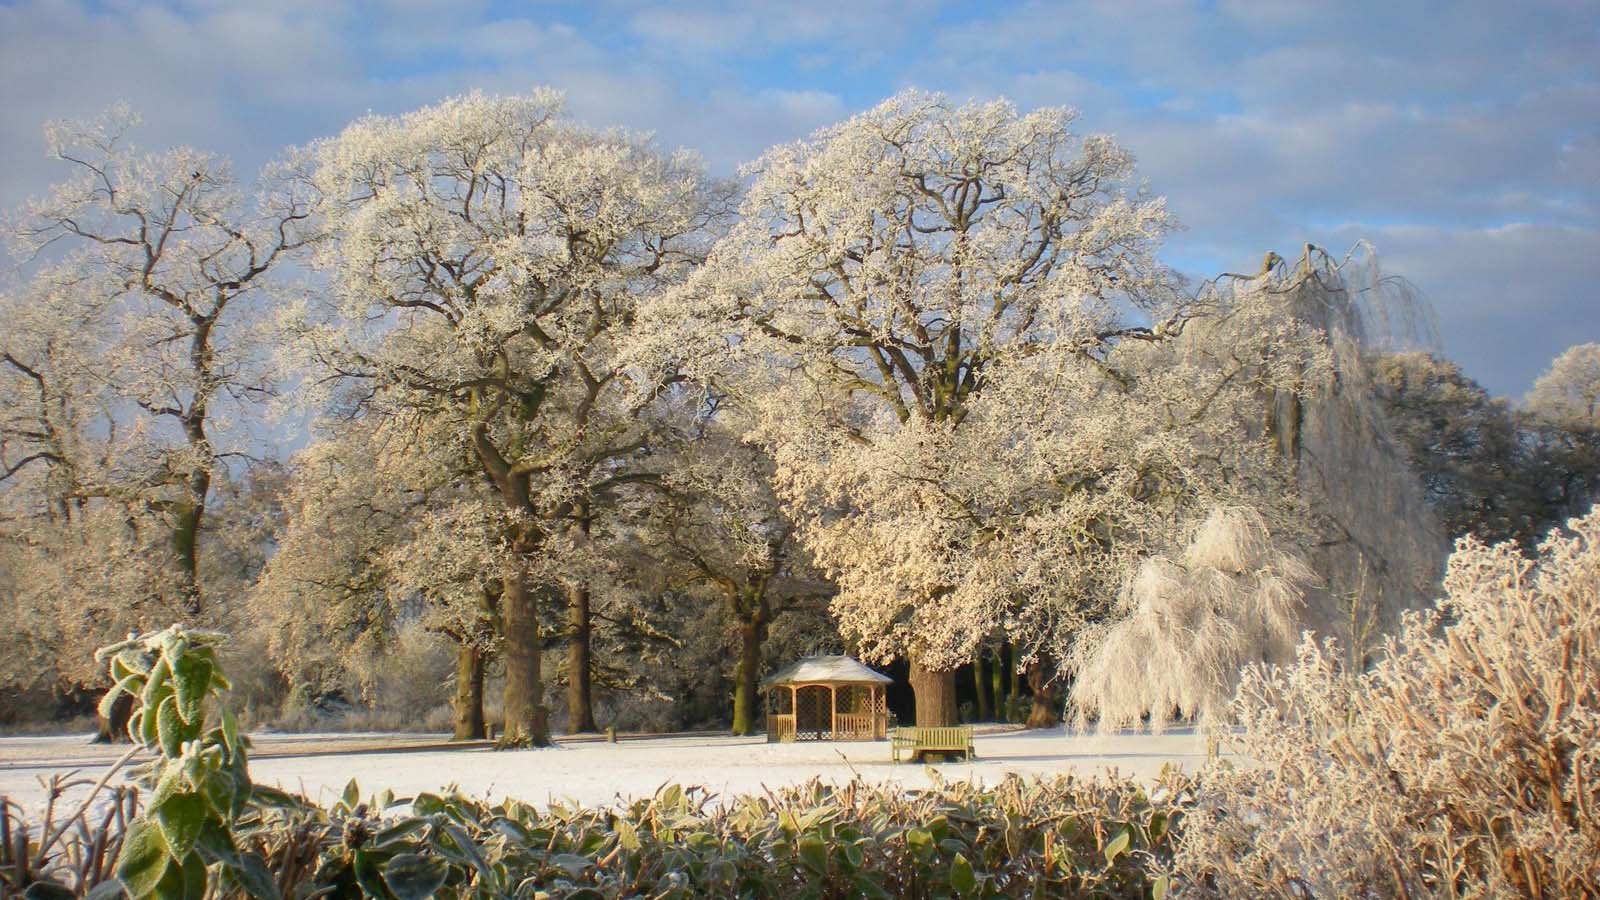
x: 1342, y: 549
x: 1371, y: 536
x: 1190, y: 624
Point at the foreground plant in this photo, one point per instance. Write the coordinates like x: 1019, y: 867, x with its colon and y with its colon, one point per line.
x: 1465, y: 763
x: 199, y: 783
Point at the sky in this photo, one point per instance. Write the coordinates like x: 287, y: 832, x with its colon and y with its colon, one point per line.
x: 1462, y: 139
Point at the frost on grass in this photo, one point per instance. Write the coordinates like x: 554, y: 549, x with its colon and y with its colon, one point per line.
x: 1462, y: 764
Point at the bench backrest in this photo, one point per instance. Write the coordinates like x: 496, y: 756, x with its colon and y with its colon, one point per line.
x: 948, y: 737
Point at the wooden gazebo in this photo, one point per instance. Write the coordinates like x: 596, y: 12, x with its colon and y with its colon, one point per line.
x: 827, y: 698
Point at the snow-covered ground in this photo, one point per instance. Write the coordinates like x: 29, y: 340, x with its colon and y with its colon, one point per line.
x: 595, y: 772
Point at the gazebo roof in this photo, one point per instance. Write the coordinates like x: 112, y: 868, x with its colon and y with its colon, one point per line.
x: 825, y: 670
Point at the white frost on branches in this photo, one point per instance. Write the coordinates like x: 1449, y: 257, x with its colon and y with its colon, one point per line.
x: 1190, y: 625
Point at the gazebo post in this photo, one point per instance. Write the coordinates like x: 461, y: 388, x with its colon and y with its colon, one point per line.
x: 873, y: 709
x: 833, y: 720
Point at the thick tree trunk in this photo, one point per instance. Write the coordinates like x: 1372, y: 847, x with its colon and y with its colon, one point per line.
x: 527, y: 720
x: 186, y: 548
x: 580, y: 662
x: 469, y: 725
x: 115, y: 729
x: 192, y: 509
x: 746, y: 675
x: 935, y: 695
x: 982, y: 686
x: 1046, y: 711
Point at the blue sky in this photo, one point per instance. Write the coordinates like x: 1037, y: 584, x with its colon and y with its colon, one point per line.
x: 1462, y: 139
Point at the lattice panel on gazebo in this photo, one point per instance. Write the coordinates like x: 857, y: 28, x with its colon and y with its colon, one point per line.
x: 862, y: 712
x: 813, y: 713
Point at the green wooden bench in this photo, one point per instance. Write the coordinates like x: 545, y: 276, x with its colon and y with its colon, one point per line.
x: 914, y: 742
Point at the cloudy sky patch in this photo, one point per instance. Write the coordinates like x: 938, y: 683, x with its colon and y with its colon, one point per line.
x: 1462, y: 139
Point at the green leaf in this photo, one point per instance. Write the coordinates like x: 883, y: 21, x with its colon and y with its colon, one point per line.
x: 429, y: 805
x: 172, y: 730
x: 48, y: 890
x: 216, y: 844
x: 171, y: 782
x: 191, y: 676
x: 627, y: 836
x: 106, y: 890
x: 962, y: 878
x: 230, y: 733
x: 252, y: 875
x: 398, y: 831
x: 368, y: 876
x: 135, y: 660
x: 181, y: 818
x: 814, y: 853
x: 145, y: 719
x: 574, y: 864
x: 920, y: 841
x: 193, y: 875
x: 271, y: 796
x: 143, y: 860
x: 866, y: 887
x: 1159, y: 887
x: 352, y: 794
x: 128, y: 685
x: 469, y: 850
x: 1117, y: 844
x: 158, y: 686
x: 413, y: 877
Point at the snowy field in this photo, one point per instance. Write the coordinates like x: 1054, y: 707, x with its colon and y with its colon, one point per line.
x: 595, y: 772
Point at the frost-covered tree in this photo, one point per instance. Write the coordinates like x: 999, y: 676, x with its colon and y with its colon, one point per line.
x: 387, y: 527
x: 717, y: 528
x: 891, y: 267
x: 85, y: 554
x: 486, y: 258
x: 1561, y: 432
x: 181, y: 253
x: 1468, y: 448
x: 1364, y: 521
x: 1189, y: 624
x: 1569, y: 392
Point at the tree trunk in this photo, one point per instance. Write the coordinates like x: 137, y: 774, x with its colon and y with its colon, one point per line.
x: 115, y: 729
x: 1015, y: 690
x: 527, y: 720
x: 1046, y: 711
x: 997, y: 677
x: 982, y: 686
x: 745, y: 678
x: 935, y: 694
x: 580, y: 662
x: 469, y: 724
x: 187, y: 515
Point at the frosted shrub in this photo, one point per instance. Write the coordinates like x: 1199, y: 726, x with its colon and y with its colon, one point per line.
x: 1190, y: 624
x: 1463, y: 764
